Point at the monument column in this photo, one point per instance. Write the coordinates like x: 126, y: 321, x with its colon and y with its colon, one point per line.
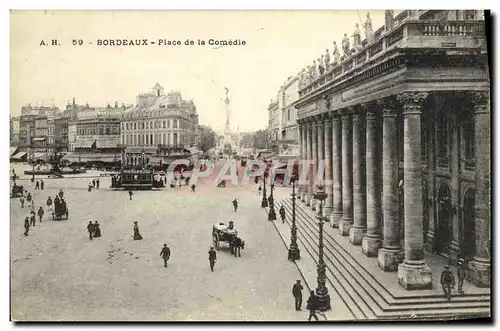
x: 413, y: 273
x: 328, y: 208
x: 309, y: 194
x: 346, y: 221
x: 314, y: 158
x: 336, y: 170
x: 372, y: 240
x: 480, y: 266
x: 391, y: 254
x: 359, y: 176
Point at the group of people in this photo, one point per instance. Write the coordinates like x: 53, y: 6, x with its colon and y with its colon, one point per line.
x: 448, y: 280
x: 94, y: 184
x: 312, y: 302
x: 94, y: 230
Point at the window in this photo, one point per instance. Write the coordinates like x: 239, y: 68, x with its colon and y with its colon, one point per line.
x: 288, y: 115
x: 151, y: 139
x: 108, y: 131
x: 147, y: 125
x: 164, y: 124
x: 135, y: 126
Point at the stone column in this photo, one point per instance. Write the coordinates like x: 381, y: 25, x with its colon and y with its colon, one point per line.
x: 391, y: 254
x: 373, y: 239
x: 346, y: 221
x: 480, y: 266
x: 301, y: 151
x: 328, y: 208
x: 305, y: 129
x: 336, y: 170
x: 314, y: 158
x: 309, y: 194
x: 413, y: 273
x: 358, y: 177
x: 320, y: 163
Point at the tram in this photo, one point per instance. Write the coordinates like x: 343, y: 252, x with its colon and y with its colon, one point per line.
x: 136, y: 179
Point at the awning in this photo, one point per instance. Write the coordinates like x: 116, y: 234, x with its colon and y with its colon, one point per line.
x: 19, y: 155
x: 85, y: 144
x: 107, y: 144
x: 38, y: 139
x: 39, y: 155
x: 83, y: 158
x: 13, y: 150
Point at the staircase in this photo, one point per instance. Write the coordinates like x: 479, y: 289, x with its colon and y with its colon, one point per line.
x: 365, y: 296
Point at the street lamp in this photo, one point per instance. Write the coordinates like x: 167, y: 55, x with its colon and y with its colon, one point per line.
x: 272, y: 213
x: 321, y: 290
x: 293, y: 251
x: 263, y: 204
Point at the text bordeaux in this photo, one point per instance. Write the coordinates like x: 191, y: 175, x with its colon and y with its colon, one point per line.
x: 168, y: 42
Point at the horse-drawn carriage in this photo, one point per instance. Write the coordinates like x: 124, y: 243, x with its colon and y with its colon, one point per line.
x: 60, y: 210
x: 17, y: 191
x: 228, y: 234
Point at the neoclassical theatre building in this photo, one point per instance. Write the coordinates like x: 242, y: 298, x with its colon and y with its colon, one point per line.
x: 403, y: 125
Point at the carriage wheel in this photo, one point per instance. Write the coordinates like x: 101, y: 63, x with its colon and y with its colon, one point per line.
x: 216, y: 241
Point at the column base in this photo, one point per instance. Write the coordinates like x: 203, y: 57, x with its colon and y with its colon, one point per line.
x: 309, y: 197
x: 479, y: 272
x: 313, y: 203
x: 389, y: 258
x: 345, y: 226
x: 371, y: 245
x: 324, y: 302
x: 335, y: 219
x: 356, y: 235
x: 429, y: 241
x: 327, y: 211
x: 293, y: 254
x: 415, y: 275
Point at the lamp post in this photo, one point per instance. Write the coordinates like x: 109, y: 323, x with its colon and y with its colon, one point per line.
x: 321, y: 290
x: 272, y: 213
x: 293, y: 250
x: 264, y: 199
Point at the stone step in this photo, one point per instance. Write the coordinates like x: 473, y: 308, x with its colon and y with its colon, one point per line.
x: 368, y: 294
x: 374, y: 283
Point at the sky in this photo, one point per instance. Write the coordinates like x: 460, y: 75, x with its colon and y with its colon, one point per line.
x: 278, y: 44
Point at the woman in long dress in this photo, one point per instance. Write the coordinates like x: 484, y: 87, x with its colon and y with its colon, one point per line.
x: 137, y: 235
x: 97, y: 230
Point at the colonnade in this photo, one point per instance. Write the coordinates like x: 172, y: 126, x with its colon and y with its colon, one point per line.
x: 359, y: 145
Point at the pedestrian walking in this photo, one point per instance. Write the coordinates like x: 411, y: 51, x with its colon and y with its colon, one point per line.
x: 282, y: 214
x: 235, y: 204
x: 193, y: 188
x: 130, y: 193
x: 212, y: 258
x: 37, y: 185
x: 49, y: 204
x: 40, y: 213
x: 26, y: 226
x: 61, y: 193
x: 165, y: 254
x: 33, y: 179
x: 28, y: 199
x: 42, y: 184
x: 447, y: 281
x: 97, y: 183
x: 137, y: 235
x: 461, y: 273
x: 90, y: 187
x: 90, y: 229
x: 97, y: 230
x: 32, y: 219
x: 297, y: 294
x: 93, y: 183
x: 312, y: 305
x: 260, y: 189
x: 22, y: 201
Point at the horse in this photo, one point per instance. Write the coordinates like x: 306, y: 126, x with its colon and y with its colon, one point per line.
x: 236, y: 245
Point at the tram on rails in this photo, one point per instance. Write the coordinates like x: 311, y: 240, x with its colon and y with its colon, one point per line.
x: 136, y: 179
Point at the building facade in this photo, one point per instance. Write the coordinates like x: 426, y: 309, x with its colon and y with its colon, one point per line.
x: 160, y: 121
x: 288, y: 137
x: 403, y: 124
x: 274, y: 125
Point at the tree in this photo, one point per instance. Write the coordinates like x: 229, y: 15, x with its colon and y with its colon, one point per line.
x: 260, y: 139
x: 208, y: 138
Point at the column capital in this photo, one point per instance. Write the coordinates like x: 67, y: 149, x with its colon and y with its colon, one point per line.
x: 412, y: 101
x: 328, y: 122
x: 388, y: 107
x: 481, y: 101
x: 345, y: 112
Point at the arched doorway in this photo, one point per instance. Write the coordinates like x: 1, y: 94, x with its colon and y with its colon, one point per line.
x: 444, y: 233
x: 468, y: 231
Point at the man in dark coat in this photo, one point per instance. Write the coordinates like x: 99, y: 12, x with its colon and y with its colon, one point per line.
x: 93, y: 183
x: 42, y: 184
x: 37, y: 185
x: 40, y: 213
x: 26, y: 226
x: 165, y: 254
x: 32, y: 219
x: 61, y: 193
x: 282, y: 214
x: 212, y: 257
x: 130, y: 193
x: 49, y: 204
x: 90, y: 229
x: 447, y: 281
x: 312, y: 305
x: 235, y: 204
x: 97, y: 183
x: 461, y: 273
x: 297, y: 294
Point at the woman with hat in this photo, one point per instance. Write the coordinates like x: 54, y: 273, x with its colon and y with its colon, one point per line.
x: 137, y: 235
